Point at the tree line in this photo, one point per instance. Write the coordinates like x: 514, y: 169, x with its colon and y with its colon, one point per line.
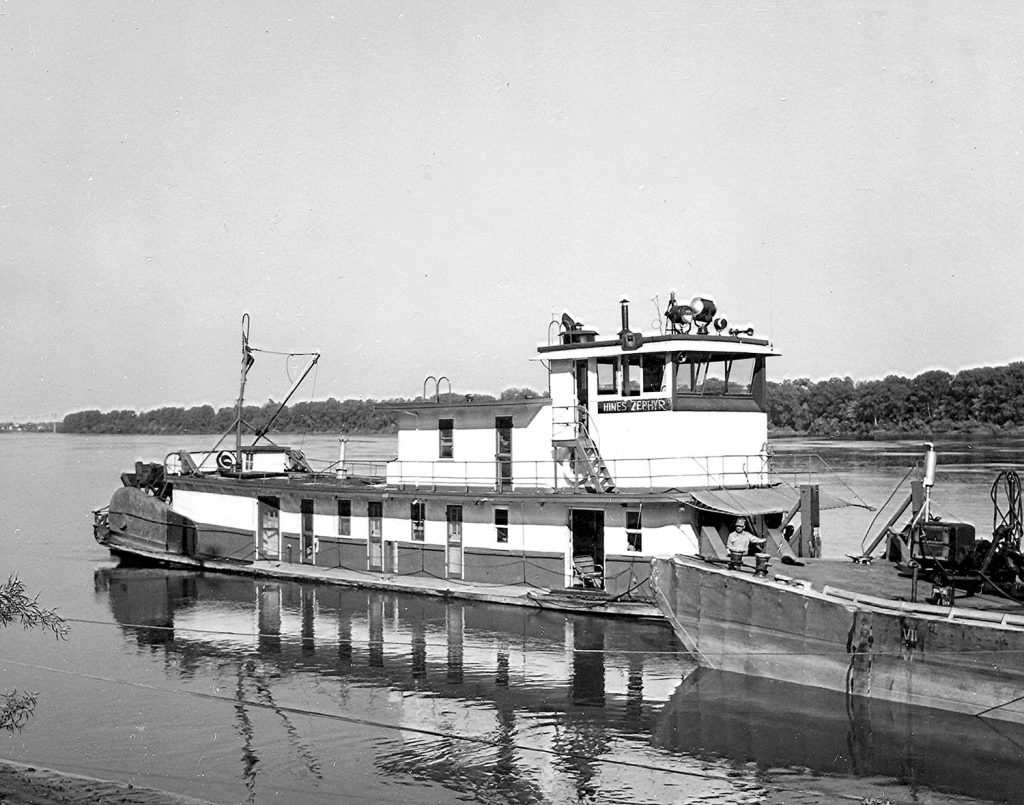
x: 321, y: 416
x: 990, y: 398
x: 985, y: 399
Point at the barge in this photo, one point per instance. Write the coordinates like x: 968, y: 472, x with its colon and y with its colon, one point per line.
x: 935, y: 620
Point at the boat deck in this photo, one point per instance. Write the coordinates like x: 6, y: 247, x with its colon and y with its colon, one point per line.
x: 878, y: 579
x: 593, y: 602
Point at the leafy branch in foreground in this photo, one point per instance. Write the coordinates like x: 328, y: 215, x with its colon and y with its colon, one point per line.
x: 16, y: 707
x: 15, y: 605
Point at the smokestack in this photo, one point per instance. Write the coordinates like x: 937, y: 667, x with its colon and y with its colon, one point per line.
x: 625, y: 315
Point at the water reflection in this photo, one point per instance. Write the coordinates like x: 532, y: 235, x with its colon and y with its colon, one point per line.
x: 512, y: 705
x: 783, y: 726
x: 478, y: 697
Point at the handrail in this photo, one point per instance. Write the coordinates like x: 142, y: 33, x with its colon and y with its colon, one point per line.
x: 639, y: 473
x: 778, y: 458
x: 582, y: 423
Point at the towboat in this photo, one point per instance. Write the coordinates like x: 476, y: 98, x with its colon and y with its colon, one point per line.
x: 646, y: 445
x: 936, y: 619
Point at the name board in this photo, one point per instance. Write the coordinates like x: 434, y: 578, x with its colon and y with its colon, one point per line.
x: 633, y: 406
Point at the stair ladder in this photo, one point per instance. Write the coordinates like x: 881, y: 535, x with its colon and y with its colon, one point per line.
x: 587, y: 457
x: 570, y: 430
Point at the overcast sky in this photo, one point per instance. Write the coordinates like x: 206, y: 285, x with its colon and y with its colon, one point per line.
x: 415, y: 189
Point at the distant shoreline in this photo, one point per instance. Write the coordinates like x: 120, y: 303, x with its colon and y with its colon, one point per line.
x: 989, y: 401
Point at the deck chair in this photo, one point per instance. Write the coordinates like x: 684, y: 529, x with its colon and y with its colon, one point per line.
x: 587, y: 573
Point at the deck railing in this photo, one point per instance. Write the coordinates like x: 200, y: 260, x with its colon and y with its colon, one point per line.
x: 638, y: 474
x: 645, y: 474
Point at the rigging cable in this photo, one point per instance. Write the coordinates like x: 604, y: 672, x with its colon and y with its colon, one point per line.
x: 867, y: 531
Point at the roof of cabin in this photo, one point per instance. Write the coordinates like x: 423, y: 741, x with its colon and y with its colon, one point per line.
x: 469, y: 402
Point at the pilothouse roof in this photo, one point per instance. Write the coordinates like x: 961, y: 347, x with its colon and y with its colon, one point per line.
x: 675, y: 342
x: 676, y: 336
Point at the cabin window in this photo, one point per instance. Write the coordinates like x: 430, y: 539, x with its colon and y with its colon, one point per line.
x: 642, y: 373
x: 446, y: 431
x: 418, y: 516
x: 344, y: 518
x: 607, y: 375
x: 501, y: 524
x: 247, y: 461
x: 306, y: 507
x: 741, y: 376
x: 709, y: 376
x: 634, y: 530
x: 653, y: 373
x: 721, y: 381
x: 632, y: 372
x: 685, y: 377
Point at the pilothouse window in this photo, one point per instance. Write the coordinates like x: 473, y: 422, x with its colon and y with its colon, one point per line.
x: 712, y: 375
x: 640, y: 374
x: 607, y: 375
x: 654, y: 373
x: 741, y: 376
x: 632, y: 372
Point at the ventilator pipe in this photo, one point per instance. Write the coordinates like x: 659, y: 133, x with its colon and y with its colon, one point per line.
x: 342, y: 444
x: 930, y: 461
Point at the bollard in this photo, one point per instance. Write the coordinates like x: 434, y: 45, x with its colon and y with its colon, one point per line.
x: 735, y: 559
x: 761, y: 564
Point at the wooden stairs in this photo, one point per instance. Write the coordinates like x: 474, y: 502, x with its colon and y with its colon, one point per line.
x: 588, y: 464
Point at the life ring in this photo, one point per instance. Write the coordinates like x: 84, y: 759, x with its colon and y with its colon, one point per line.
x: 226, y: 460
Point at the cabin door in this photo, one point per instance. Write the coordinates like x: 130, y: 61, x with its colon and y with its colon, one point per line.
x: 306, y: 549
x: 582, y: 394
x: 375, y: 516
x: 587, y: 526
x: 454, y: 547
x: 268, y: 528
x: 503, y: 451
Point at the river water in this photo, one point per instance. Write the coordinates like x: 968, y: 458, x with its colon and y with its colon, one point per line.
x: 236, y: 690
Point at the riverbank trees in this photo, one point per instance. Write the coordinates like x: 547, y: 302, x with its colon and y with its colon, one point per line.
x: 989, y: 398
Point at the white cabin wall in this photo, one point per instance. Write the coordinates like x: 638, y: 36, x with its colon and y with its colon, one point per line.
x: 662, y: 533
x: 562, y: 384
x: 669, y: 434
x: 473, y: 453
x: 233, y: 511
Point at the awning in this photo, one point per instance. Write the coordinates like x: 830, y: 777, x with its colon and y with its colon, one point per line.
x: 761, y: 500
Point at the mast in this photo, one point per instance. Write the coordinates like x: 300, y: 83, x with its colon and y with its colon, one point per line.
x: 247, y: 361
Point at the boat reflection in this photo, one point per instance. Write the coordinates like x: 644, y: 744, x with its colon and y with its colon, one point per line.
x: 477, y: 696
x: 783, y: 727
x: 530, y: 705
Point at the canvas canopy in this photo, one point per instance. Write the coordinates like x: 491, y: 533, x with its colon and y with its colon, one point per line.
x: 760, y: 500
